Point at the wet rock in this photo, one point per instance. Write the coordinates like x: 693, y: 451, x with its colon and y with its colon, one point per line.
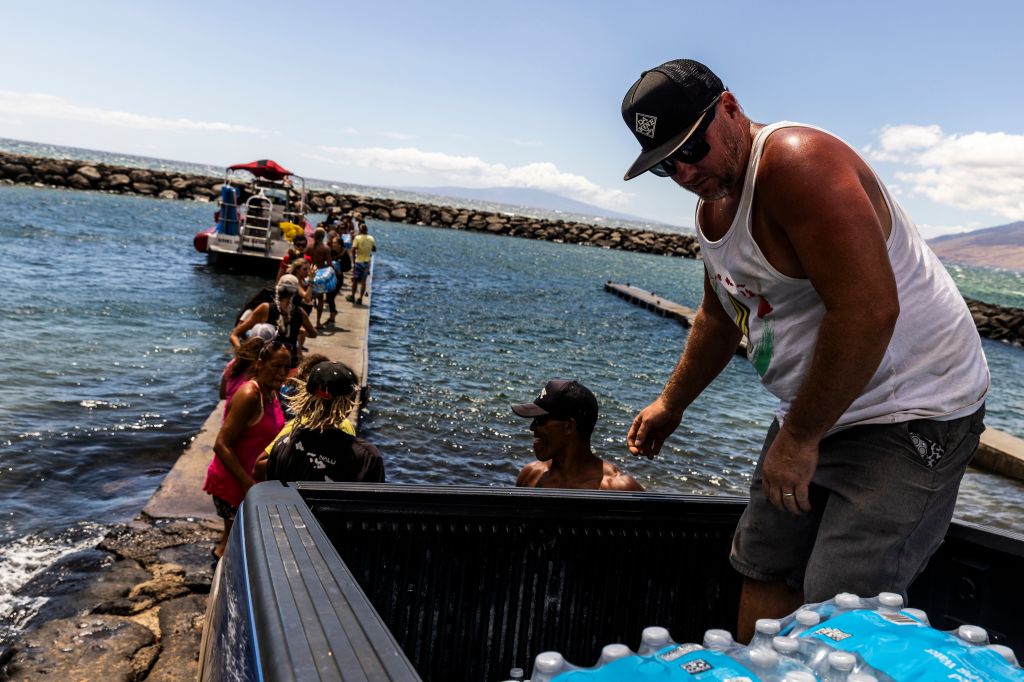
x: 145, y: 544
x: 181, y: 627
x: 90, y: 173
x: 399, y: 214
x: 141, y: 175
x: 118, y: 180
x: 14, y: 170
x: 90, y: 648
x: 195, y: 562
x: 144, y: 188
x: 180, y: 184
x: 50, y: 167
x: 167, y: 194
x: 79, y: 181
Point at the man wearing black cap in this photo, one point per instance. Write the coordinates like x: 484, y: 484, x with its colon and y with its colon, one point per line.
x: 851, y: 321
x: 564, y: 416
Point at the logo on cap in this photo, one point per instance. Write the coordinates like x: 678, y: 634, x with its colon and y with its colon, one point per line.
x: 645, y: 124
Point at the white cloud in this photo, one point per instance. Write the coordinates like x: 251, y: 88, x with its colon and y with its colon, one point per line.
x: 474, y: 172
x: 970, y: 171
x: 395, y: 135
x: 41, y: 105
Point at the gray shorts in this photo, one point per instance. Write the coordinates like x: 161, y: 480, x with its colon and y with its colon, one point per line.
x: 882, y: 498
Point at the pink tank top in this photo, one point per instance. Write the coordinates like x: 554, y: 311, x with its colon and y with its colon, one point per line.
x: 221, y: 482
x: 232, y: 383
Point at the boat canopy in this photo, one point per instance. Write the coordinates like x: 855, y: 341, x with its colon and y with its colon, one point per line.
x: 264, y: 168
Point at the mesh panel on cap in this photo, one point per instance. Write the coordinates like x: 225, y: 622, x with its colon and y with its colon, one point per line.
x: 687, y: 70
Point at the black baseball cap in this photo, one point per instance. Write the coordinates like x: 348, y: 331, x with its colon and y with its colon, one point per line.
x: 665, y: 107
x: 562, y: 398
x: 331, y: 380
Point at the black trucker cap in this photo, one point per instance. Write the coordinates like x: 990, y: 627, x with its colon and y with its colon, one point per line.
x: 562, y: 398
x: 331, y: 380
x: 664, y: 108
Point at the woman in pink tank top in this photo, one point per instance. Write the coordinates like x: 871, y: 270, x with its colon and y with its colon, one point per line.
x: 252, y: 419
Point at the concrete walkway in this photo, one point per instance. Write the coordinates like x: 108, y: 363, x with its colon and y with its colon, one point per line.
x: 181, y: 495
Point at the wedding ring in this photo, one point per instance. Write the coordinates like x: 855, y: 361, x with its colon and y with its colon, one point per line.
x: 788, y: 494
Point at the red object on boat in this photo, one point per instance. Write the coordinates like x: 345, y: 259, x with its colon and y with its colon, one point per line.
x: 201, y: 241
x: 264, y: 168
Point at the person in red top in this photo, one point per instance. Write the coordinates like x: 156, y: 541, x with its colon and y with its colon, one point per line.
x: 298, y: 250
x: 252, y: 419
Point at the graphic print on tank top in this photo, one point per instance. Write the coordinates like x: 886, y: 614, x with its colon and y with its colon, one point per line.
x: 761, y: 348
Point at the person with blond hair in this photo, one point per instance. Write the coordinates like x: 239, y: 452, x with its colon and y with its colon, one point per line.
x: 321, y: 444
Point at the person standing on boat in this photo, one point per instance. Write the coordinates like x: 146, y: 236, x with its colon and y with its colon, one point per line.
x: 363, y: 247
x: 564, y: 416
x: 252, y: 419
x: 851, y: 321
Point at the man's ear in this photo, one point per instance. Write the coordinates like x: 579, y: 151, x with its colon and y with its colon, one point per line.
x: 570, y: 426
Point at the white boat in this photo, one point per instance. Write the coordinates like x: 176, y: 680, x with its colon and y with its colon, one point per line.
x: 262, y: 208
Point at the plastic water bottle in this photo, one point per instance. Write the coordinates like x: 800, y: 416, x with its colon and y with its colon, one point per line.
x: 846, y: 601
x: 549, y: 664
x: 718, y: 640
x: 861, y: 677
x: 787, y: 648
x: 805, y: 620
x: 653, y: 639
x: 516, y: 675
x: 613, y: 652
x: 840, y: 666
x: 1006, y: 652
x: 972, y: 634
x: 764, y: 630
x: 918, y: 614
x: 889, y: 602
x: 799, y: 676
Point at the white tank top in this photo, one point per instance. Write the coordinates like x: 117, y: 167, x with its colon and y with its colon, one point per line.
x: 934, y: 366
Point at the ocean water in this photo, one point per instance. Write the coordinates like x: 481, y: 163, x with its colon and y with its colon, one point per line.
x: 114, y: 332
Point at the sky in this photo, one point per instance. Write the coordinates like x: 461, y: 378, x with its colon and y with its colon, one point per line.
x: 524, y: 94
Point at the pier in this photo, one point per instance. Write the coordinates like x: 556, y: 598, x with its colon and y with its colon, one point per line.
x: 998, y: 452
x: 143, y: 606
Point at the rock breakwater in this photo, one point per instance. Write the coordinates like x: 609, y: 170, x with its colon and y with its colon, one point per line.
x: 46, y: 172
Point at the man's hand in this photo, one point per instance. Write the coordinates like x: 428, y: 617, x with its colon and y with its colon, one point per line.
x: 786, y: 473
x: 651, y: 427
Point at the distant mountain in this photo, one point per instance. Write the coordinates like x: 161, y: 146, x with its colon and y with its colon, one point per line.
x: 523, y: 196
x: 996, y: 247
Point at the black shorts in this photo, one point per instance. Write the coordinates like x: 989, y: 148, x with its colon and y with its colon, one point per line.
x: 224, y: 508
x: 882, y: 498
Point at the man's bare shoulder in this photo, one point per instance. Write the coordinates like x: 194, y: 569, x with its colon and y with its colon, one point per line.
x: 616, y: 479
x: 530, y: 475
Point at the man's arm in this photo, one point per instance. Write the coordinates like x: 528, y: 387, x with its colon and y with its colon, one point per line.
x: 824, y: 199
x: 710, y: 345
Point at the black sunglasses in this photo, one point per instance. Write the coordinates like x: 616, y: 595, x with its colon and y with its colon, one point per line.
x: 545, y: 418
x: 695, y: 149
x: 272, y: 346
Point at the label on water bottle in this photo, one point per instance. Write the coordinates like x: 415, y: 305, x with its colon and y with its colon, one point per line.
x: 909, y: 651
x: 674, y: 663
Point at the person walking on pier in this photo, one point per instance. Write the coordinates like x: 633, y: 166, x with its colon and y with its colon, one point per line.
x: 851, y: 321
x: 252, y: 418
x: 284, y: 313
x: 363, y: 247
x: 564, y: 416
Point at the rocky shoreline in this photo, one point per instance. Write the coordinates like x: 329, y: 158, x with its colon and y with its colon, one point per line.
x: 993, y: 321
x: 130, y: 609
